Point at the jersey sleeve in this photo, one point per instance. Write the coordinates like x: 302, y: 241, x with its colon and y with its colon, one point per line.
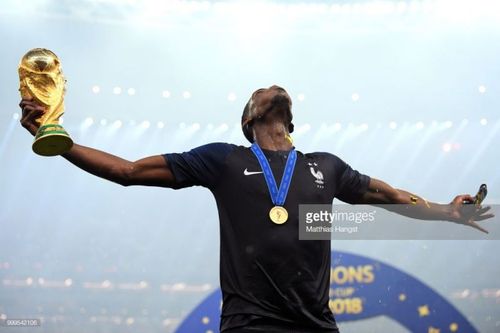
x: 201, y: 166
x: 350, y: 184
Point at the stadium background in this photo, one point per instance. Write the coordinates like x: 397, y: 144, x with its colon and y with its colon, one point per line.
x: 404, y: 91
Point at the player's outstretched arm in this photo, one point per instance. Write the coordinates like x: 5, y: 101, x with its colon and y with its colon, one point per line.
x: 149, y: 171
x: 405, y: 203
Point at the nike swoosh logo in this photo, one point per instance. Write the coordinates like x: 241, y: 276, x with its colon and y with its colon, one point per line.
x: 249, y: 173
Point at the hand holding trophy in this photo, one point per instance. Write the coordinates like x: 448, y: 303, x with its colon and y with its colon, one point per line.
x: 42, y: 80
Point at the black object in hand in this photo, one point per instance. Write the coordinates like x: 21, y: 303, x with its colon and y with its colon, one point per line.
x: 481, y: 194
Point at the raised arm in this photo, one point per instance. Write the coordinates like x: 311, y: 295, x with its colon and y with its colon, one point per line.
x: 414, y: 206
x: 149, y: 171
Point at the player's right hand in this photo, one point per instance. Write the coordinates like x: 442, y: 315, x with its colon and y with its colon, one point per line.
x: 468, y: 214
x: 31, y: 112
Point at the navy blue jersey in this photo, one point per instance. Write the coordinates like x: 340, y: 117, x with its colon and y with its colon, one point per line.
x: 266, y: 272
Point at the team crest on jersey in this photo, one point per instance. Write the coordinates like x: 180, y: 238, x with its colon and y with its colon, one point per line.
x: 320, y: 181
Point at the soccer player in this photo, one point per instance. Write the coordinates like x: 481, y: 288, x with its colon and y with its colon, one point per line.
x: 271, y: 281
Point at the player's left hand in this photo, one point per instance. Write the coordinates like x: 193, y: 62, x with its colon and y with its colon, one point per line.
x: 464, y: 211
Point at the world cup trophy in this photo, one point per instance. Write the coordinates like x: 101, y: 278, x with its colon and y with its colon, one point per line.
x: 42, y: 80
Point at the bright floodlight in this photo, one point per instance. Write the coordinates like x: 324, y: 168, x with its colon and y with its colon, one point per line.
x: 131, y: 91
x: 96, y: 89
x: 420, y: 125
x: 160, y: 124
x: 364, y: 127
x: 117, y: 90
x: 165, y: 94
x: 484, y: 121
x: 195, y: 126
x: 117, y: 124
x: 355, y: 97
x: 231, y: 97
x: 186, y: 94
x: 446, y: 147
x: 88, y: 122
x: 303, y: 129
x: 301, y: 97
x: 224, y: 127
x: 448, y: 124
x: 15, y: 116
x: 393, y: 125
x: 482, y: 89
x: 145, y: 124
x: 104, y: 122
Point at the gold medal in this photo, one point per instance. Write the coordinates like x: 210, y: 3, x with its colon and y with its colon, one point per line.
x: 278, y: 214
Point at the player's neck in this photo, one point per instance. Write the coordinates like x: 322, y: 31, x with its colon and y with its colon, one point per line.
x: 272, y: 136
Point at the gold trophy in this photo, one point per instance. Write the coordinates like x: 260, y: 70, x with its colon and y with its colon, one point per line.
x: 41, y: 78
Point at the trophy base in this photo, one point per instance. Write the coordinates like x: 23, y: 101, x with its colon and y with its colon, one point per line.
x: 52, y: 140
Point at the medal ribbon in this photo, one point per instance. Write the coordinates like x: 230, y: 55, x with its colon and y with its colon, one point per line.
x: 278, y: 196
